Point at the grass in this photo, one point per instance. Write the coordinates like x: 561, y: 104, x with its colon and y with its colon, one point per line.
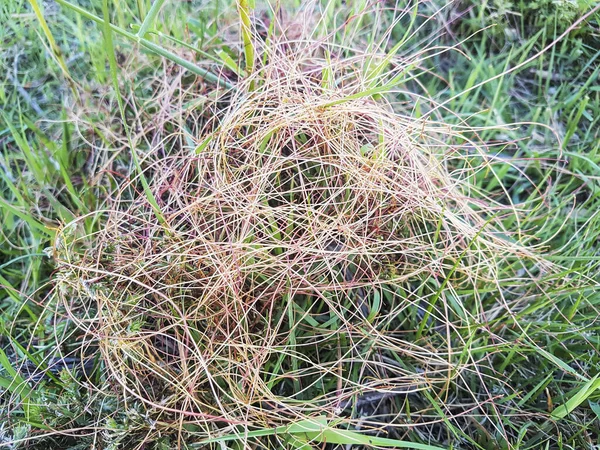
x: 494, y: 347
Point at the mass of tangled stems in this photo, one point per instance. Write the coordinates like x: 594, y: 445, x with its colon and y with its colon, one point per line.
x: 294, y: 251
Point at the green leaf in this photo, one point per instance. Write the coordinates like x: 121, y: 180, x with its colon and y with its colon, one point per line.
x: 229, y: 62
x: 596, y: 408
x: 26, y: 218
x: 586, y: 390
x: 203, y: 145
x: 318, y: 430
x: 20, y: 388
x: 150, y: 17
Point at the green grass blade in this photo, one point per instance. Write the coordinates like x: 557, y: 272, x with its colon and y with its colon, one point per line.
x: 150, y: 17
x: 244, y: 13
x: 582, y: 395
x: 53, y: 46
x: 319, y: 430
x: 26, y: 218
x: 19, y: 387
x: 204, y: 73
x: 110, y: 53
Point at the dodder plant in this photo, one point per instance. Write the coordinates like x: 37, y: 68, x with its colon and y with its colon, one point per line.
x: 308, y: 260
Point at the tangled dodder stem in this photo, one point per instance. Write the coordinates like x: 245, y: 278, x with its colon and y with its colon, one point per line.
x: 301, y: 243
